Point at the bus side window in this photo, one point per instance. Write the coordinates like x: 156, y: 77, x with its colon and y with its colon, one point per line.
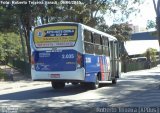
x: 98, y: 46
x: 97, y: 39
x: 87, y: 36
x: 88, y: 42
x: 105, y: 43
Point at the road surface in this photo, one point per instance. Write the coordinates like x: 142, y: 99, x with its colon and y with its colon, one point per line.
x: 138, y: 90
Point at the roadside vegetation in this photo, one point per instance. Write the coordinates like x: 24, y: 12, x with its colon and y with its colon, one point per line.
x: 90, y: 13
x: 151, y: 54
x: 3, y: 75
x: 10, y: 46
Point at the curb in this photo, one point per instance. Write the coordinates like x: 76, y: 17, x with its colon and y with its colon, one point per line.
x: 21, y: 85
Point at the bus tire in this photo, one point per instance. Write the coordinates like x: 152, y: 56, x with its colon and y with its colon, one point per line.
x: 95, y: 84
x: 58, y: 85
x: 114, y: 81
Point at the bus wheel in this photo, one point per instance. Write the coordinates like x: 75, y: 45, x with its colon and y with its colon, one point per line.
x: 95, y: 84
x: 114, y: 81
x: 58, y: 85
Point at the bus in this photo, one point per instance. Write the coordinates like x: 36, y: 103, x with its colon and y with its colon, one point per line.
x: 69, y: 52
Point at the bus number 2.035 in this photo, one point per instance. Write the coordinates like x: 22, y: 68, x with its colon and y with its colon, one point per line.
x: 67, y: 56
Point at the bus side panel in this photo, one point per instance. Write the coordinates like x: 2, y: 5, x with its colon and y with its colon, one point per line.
x: 105, y: 68
x: 92, y: 67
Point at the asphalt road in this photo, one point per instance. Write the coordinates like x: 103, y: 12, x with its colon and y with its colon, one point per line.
x: 138, y: 90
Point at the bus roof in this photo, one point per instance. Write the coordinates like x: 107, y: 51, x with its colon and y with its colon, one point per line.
x: 110, y: 37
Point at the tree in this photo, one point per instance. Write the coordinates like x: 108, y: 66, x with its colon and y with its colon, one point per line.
x: 89, y: 12
x: 9, y: 47
x: 9, y: 25
x: 150, y: 24
x: 151, y: 54
x: 121, y: 31
x: 157, y: 10
x: 21, y: 22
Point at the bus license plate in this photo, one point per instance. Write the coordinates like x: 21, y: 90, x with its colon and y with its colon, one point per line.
x: 55, y: 75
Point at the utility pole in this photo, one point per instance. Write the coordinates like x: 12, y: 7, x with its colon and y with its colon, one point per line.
x: 157, y: 10
x: 22, y: 42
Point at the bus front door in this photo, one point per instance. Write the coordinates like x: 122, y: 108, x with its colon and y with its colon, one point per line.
x: 114, y: 54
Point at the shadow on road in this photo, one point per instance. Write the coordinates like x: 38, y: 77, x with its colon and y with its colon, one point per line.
x: 133, y: 90
x: 141, y: 89
x: 41, y: 93
x: 37, y: 100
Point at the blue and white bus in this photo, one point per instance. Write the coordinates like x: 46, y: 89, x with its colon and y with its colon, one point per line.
x: 65, y: 52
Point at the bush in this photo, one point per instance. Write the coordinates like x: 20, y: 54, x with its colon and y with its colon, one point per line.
x: 3, y: 75
x: 151, y: 54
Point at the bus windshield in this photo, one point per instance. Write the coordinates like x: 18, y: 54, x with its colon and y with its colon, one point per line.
x: 55, y: 36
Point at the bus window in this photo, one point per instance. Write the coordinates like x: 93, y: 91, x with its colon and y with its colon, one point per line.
x: 105, y: 50
x: 105, y: 43
x: 97, y: 42
x: 89, y: 47
x: 97, y: 39
x: 116, y: 50
x: 88, y: 42
x: 98, y: 49
x: 87, y: 36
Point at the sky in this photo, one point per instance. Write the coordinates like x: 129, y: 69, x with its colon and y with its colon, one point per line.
x: 147, y: 12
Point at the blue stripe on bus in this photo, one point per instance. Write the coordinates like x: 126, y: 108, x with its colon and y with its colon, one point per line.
x: 64, y: 60
x: 93, y: 65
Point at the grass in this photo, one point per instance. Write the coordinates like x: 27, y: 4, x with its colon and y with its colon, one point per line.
x: 3, y: 75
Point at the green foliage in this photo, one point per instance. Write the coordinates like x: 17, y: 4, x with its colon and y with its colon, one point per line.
x: 151, y: 54
x: 15, y: 18
x: 3, y: 75
x: 121, y: 9
x: 121, y: 31
x: 90, y: 12
x: 9, y: 46
x: 7, y: 19
x: 151, y: 24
